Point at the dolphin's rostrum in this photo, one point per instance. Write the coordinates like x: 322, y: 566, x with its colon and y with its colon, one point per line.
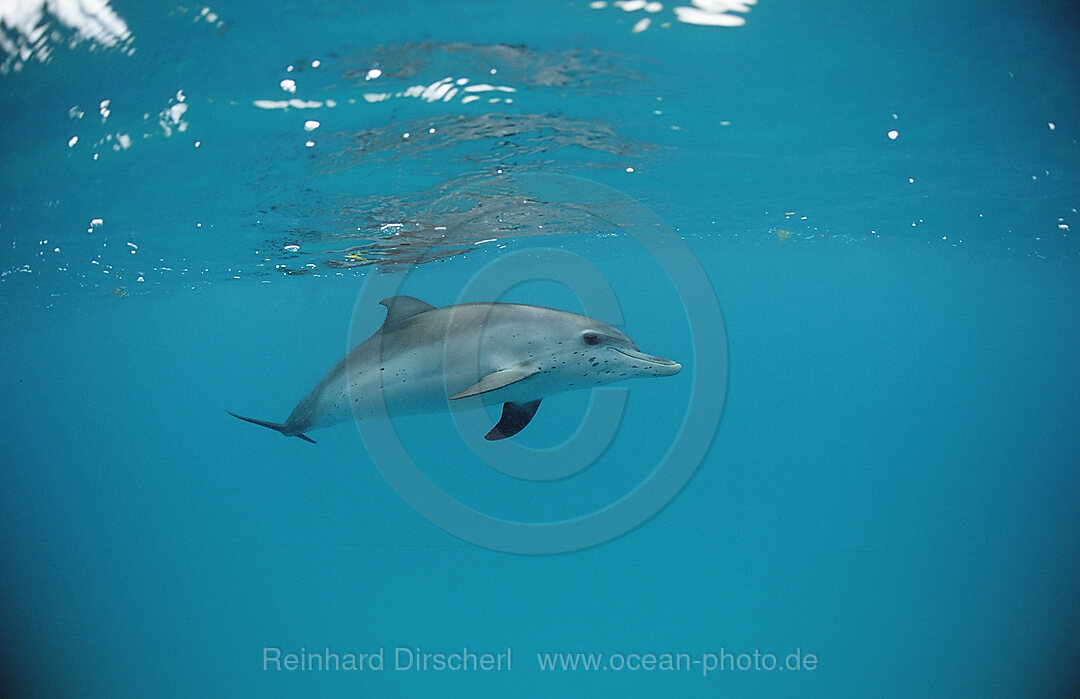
x: 424, y: 357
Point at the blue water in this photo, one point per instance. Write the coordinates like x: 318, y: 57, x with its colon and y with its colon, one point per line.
x: 891, y: 494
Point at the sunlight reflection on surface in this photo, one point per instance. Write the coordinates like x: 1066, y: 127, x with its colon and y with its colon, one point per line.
x: 31, y: 30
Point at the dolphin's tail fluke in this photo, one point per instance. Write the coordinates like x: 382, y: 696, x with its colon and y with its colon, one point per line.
x: 276, y: 426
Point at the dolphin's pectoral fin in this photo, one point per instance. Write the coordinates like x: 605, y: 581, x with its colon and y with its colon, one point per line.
x: 277, y: 426
x: 399, y: 308
x: 496, y: 380
x: 514, y: 418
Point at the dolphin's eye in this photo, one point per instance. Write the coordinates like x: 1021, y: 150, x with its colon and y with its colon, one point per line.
x: 591, y: 338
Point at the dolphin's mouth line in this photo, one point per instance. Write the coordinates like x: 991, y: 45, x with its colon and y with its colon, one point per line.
x: 647, y: 358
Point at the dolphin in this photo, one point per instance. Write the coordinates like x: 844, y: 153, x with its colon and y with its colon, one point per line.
x: 423, y: 359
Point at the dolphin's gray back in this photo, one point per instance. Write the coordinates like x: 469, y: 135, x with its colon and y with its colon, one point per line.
x: 417, y: 362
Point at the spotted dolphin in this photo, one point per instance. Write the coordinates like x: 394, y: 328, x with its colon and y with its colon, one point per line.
x: 424, y: 358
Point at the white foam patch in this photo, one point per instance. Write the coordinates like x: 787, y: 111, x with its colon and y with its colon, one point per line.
x: 723, y: 5
x: 693, y: 15
x: 486, y: 88
x: 435, y: 91
x: 443, y: 90
x: 285, y: 104
x: 176, y: 112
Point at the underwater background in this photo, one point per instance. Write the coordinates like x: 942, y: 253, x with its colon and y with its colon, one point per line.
x: 851, y: 223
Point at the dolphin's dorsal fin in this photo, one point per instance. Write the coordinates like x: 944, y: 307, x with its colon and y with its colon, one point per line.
x: 496, y: 380
x: 399, y: 308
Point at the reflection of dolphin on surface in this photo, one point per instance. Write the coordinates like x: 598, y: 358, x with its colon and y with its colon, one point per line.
x: 423, y: 356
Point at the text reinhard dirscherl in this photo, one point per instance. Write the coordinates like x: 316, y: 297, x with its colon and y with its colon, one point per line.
x: 408, y: 659
x: 400, y: 659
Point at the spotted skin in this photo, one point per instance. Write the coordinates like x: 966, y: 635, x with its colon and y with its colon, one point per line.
x: 424, y: 358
